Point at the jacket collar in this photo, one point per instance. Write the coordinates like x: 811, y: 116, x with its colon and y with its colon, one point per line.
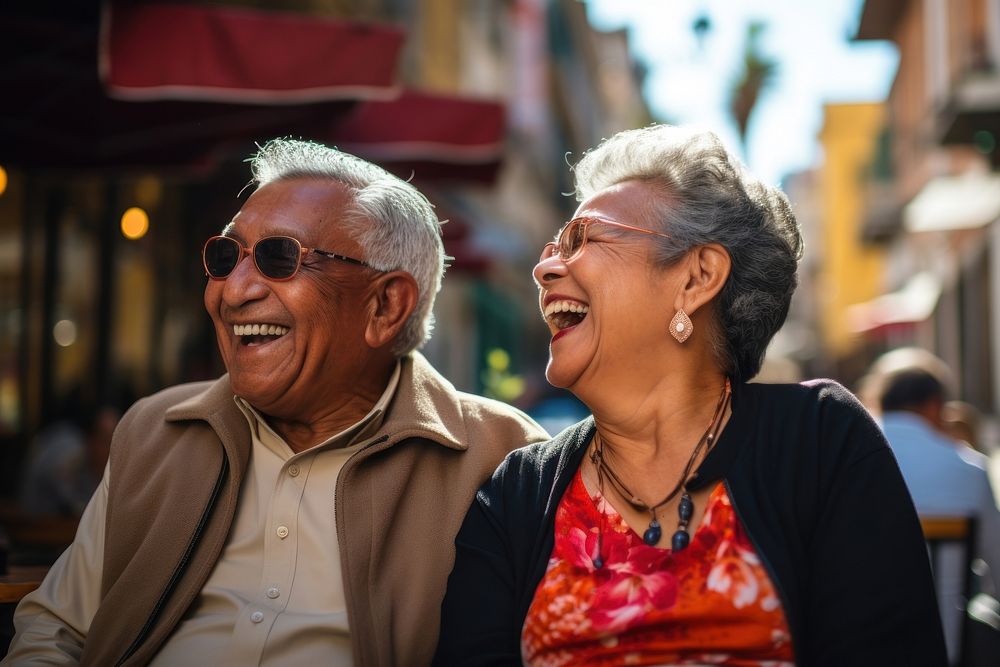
x: 425, y: 405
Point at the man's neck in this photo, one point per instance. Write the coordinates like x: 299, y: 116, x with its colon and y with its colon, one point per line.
x: 339, y: 411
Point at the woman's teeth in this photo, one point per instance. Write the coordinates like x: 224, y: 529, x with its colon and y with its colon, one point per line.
x: 565, y: 314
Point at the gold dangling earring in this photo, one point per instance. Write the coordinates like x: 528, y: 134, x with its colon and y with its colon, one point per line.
x: 681, y: 326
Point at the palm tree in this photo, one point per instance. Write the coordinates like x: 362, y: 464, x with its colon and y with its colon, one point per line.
x: 757, y: 73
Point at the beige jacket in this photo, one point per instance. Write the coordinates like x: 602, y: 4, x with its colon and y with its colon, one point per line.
x: 177, y: 462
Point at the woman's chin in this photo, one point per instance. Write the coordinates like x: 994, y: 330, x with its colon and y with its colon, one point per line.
x: 558, y: 375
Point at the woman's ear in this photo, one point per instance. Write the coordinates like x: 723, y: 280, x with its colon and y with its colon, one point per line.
x: 393, y: 300
x: 707, y: 268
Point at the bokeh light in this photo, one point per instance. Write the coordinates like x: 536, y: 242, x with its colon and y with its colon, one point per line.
x: 135, y: 223
x: 64, y: 332
x: 984, y: 141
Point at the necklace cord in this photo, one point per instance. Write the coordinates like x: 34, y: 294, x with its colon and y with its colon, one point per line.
x: 603, y: 466
x: 681, y: 538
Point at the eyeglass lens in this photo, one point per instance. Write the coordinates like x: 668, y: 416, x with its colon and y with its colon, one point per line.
x: 572, y: 239
x: 276, y: 257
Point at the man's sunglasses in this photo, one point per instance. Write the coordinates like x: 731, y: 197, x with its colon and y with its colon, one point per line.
x: 572, y: 238
x: 276, y: 257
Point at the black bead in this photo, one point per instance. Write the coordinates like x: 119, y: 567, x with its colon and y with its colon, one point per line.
x: 686, y: 509
x: 680, y: 540
x: 598, y: 562
x: 652, y: 534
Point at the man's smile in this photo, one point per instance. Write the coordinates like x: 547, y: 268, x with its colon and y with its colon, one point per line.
x: 258, y: 334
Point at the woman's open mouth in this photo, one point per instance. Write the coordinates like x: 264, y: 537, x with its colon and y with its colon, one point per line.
x: 564, y: 314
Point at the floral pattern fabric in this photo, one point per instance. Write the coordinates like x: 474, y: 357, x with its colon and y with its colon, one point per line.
x: 712, y: 603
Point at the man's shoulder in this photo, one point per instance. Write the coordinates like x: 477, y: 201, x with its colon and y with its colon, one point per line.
x: 158, y: 407
x: 482, y: 413
x: 179, y: 393
x: 168, y: 397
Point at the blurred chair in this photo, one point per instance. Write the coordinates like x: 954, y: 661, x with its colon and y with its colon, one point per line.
x: 951, y: 545
x: 35, y: 539
x: 14, y: 585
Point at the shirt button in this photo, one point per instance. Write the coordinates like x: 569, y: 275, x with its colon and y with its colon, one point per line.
x: 257, y: 617
x: 282, y: 532
x: 293, y: 470
x: 273, y: 592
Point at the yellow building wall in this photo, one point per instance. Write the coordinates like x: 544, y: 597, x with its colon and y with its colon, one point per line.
x: 439, y: 45
x: 850, y: 272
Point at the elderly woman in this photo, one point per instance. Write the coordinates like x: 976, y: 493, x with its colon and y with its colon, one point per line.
x: 694, y: 518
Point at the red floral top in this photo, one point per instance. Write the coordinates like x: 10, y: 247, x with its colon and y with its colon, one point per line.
x: 712, y: 603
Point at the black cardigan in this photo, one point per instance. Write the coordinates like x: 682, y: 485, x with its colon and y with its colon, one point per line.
x: 813, y: 482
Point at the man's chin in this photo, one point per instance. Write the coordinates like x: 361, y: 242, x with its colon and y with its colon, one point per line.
x: 258, y: 392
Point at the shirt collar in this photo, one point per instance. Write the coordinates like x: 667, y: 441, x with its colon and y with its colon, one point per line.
x: 425, y: 405
x: 363, y: 428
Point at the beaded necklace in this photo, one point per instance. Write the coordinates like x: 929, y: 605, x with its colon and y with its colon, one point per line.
x: 685, y: 509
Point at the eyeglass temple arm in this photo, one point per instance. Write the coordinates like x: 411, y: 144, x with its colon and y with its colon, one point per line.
x: 333, y: 255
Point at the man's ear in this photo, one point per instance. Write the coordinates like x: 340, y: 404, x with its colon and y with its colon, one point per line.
x: 393, y: 300
x: 708, y: 268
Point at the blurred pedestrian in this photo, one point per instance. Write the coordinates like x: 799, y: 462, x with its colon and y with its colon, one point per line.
x: 66, y: 460
x: 695, y: 517
x: 945, y: 477
x: 961, y: 421
x: 302, y: 509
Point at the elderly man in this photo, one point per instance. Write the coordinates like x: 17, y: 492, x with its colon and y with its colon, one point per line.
x: 302, y: 509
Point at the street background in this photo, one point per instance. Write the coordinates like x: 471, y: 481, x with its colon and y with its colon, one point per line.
x: 124, y: 128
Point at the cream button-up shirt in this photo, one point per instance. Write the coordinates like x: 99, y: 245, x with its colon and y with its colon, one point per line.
x: 276, y: 594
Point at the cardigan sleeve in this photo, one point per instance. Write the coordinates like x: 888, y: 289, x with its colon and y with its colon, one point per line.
x: 870, y: 597
x: 479, y: 613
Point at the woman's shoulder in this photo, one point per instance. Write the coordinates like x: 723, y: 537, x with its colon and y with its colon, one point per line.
x: 527, y: 475
x: 821, y: 394
x: 546, y: 456
x: 819, y: 411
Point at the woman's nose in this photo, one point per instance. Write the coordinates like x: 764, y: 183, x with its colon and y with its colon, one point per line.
x: 548, y: 269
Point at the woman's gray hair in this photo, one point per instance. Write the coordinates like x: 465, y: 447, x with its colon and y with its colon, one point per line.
x: 708, y: 197
x: 391, y: 219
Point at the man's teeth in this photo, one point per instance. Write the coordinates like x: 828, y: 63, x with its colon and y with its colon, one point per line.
x: 259, y: 330
x: 557, y: 307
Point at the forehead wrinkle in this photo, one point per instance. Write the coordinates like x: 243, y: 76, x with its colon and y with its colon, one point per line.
x: 640, y: 211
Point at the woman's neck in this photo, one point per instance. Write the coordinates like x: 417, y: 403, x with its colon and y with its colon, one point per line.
x: 662, y: 417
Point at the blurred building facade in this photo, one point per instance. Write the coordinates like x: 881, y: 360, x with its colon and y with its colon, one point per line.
x: 933, y: 207
x: 851, y: 270
x: 82, y: 306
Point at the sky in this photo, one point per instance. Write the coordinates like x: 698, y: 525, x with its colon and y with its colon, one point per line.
x: 689, y: 83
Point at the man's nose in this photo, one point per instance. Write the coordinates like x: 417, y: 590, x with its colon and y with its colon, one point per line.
x: 244, y: 284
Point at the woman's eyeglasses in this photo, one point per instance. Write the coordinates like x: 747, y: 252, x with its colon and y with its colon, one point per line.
x: 276, y: 257
x: 572, y: 237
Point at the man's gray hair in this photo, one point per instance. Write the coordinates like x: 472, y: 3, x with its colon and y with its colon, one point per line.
x: 708, y: 197
x: 391, y: 219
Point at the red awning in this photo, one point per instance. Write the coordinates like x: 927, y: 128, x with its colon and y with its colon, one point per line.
x: 202, y: 81
x: 426, y: 135
x: 419, y: 125
x: 219, y: 54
